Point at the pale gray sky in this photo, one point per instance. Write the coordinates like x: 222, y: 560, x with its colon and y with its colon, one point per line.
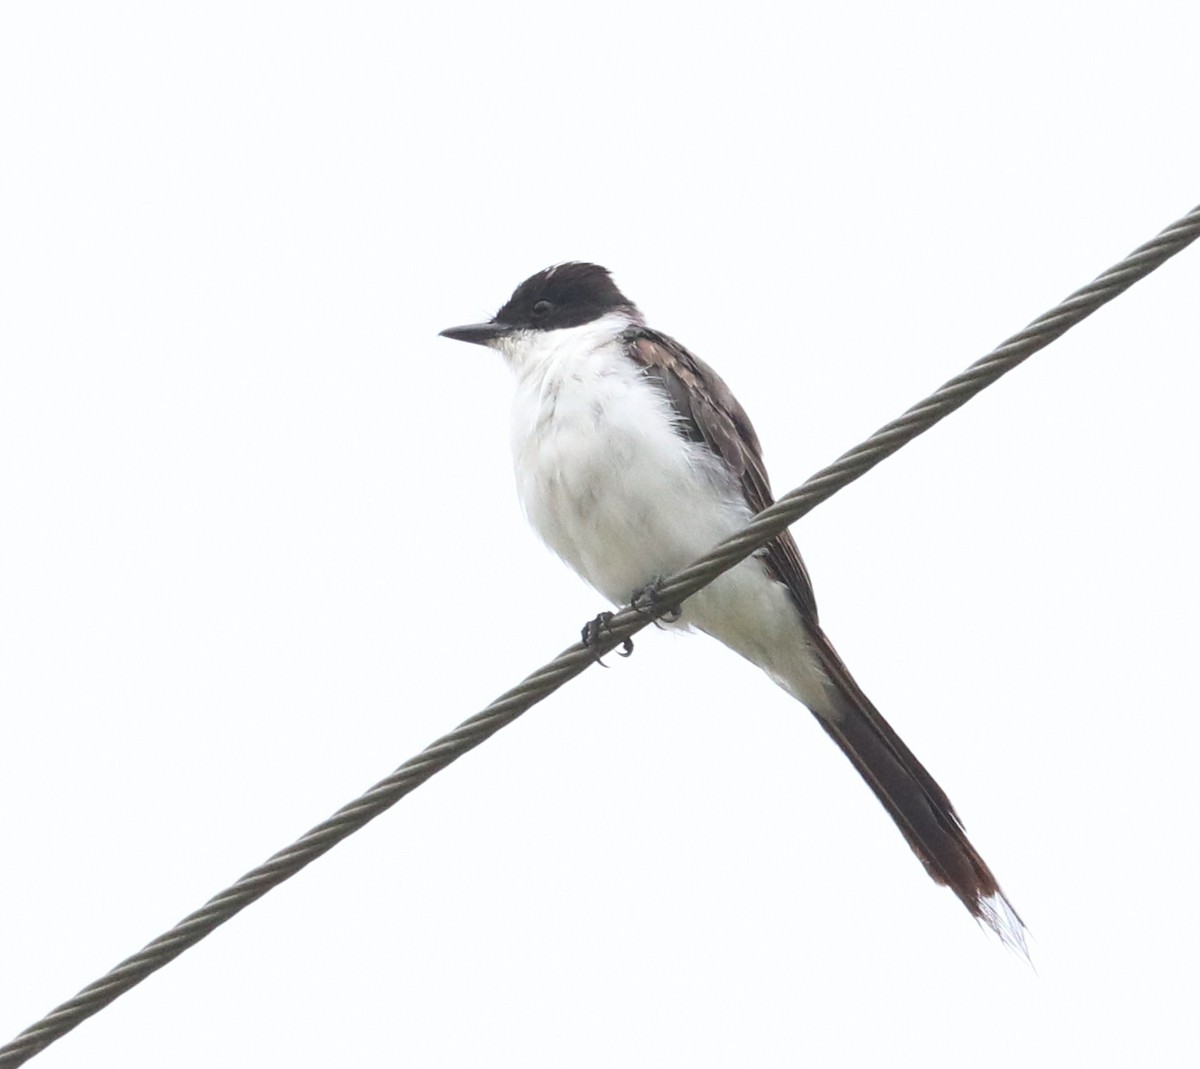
x: 260, y: 542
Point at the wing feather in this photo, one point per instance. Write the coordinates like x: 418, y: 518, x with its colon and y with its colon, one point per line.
x: 711, y: 414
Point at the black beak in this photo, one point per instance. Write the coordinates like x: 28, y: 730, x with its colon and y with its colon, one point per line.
x: 477, y: 333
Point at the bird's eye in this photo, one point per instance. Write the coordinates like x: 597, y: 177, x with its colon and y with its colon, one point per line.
x: 541, y: 308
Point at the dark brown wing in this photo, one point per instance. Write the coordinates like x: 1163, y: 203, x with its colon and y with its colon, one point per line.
x: 711, y: 414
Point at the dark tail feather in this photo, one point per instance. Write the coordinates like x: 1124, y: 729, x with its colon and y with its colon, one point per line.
x: 915, y: 802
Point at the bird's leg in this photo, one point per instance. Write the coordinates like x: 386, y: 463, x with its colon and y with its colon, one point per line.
x: 594, y: 629
x: 647, y: 601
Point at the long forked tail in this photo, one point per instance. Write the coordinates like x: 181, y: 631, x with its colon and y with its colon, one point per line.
x: 911, y: 796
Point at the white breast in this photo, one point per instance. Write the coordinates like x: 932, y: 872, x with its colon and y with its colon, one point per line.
x: 602, y: 473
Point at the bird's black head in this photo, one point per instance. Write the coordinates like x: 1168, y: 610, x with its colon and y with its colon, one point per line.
x: 566, y: 295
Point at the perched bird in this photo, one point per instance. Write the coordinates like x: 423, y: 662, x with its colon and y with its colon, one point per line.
x: 632, y: 459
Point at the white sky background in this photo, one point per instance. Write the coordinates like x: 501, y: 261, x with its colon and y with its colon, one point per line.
x: 260, y: 542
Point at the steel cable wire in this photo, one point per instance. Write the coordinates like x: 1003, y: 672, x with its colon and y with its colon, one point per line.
x: 574, y: 660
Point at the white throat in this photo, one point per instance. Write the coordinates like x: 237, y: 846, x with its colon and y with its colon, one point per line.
x: 539, y: 352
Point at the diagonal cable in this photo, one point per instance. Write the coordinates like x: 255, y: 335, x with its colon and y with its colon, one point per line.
x: 573, y: 661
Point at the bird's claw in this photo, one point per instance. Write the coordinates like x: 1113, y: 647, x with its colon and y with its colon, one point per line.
x: 592, y: 632
x: 647, y: 601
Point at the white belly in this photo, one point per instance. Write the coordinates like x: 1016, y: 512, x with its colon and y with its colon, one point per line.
x: 612, y: 488
x: 608, y: 483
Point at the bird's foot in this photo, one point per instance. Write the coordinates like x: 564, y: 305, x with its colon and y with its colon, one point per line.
x: 647, y: 601
x: 594, y: 630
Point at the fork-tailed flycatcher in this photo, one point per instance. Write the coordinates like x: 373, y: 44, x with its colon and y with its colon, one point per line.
x: 632, y: 459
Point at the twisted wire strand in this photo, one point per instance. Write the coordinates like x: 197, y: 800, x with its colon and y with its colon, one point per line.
x: 574, y: 660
